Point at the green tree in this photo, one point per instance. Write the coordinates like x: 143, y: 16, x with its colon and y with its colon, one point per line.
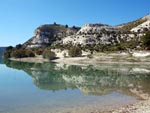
x: 18, y: 53
x: 19, y: 46
x: 55, y: 23
x: 7, y: 54
x: 66, y: 26
x: 75, y: 52
x: 48, y: 54
x: 9, y: 48
x: 146, y: 40
x: 39, y: 51
x: 29, y: 53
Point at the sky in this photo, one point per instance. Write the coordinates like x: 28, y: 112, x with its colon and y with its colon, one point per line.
x: 19, y: 18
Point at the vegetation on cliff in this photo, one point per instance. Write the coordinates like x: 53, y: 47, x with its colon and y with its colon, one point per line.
x: 146, y: 40
x: 91, y: 38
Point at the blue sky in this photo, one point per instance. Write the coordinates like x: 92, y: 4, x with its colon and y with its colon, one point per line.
x: 19, y: 18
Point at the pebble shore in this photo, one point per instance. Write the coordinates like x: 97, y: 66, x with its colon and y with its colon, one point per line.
x: 140, y: 107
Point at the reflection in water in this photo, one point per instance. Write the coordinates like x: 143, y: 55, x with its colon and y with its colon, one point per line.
x: 131, y: 80
x: 1, y: 61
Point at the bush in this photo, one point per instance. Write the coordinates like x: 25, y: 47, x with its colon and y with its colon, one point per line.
x: 146, y: 40
x: 9, y: 48
x: 18, y: 53
x: 48, y: 54
x: 19, y: 46
x: 7, y: 54
x: 64, y: 55
x: 90, y: 56
x: 75, y: 52
x: 29, y: 53
x: 39, y: 51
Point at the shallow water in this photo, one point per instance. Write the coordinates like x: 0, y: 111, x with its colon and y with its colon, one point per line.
x: 59, y: 88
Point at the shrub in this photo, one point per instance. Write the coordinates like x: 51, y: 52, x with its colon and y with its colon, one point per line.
x: 146, y: 40
x: 9, y: 48
x: 29, y: 53
x: 90, y: 56
x: 18, y: 53
x: 66, y: 26
x: 75, y: 52
x: 19, y: 46
x: 64, y: 55
x: 39, y: 51
x: 7, y: 54
x: 48, y: 54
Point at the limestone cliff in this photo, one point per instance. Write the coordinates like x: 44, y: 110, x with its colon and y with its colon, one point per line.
x: 47, y: 34
x: 96, y: 34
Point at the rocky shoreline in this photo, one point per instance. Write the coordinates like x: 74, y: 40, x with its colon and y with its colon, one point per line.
x: 140, y: 107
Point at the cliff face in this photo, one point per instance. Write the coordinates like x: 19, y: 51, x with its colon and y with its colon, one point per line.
x: 93, y: 34
x: 47, y: 34
x: 89, y: 34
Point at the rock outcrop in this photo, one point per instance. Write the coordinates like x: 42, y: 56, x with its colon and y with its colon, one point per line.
x: 47, y: 34
x: 89, y: 34
x: 93, y: 34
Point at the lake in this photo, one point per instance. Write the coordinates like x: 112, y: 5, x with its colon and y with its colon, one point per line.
x: 61, y: 88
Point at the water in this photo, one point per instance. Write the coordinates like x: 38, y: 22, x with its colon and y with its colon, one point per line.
x: 59, y: 88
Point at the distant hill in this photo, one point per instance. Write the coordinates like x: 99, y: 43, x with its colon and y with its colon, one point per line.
x: 2, y: 49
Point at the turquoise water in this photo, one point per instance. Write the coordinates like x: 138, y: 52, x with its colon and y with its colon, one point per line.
x: 59, y: 88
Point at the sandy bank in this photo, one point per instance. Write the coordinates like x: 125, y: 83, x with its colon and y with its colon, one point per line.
x: 87, y: 61
x: 30, y: 59
x: 81, y: 61
x: 137, y: 57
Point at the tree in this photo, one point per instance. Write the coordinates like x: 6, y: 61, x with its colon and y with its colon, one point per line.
x: 39, y: 51
x: 75, y: 52
x: 74, y: 27
x: 66, y: 26
x: 18, y: 53
x: 9, y: 48
x: 29, y: 53
x: 48, y: 54
x: 146, y: 40
x: 7, y: 54
x: 55, y: 23
x: 145, y: 30
x: 19, y: 46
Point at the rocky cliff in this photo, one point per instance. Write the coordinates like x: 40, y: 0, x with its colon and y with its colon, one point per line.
x: 48, y: 34
x: 89, y: 34
x: 93, y: 34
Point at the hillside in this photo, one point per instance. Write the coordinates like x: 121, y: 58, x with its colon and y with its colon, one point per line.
x: 47, y: 34
x: 96, y: 34
x: 93, y: 34
x: 2, y: 49
x: 127, y: 27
